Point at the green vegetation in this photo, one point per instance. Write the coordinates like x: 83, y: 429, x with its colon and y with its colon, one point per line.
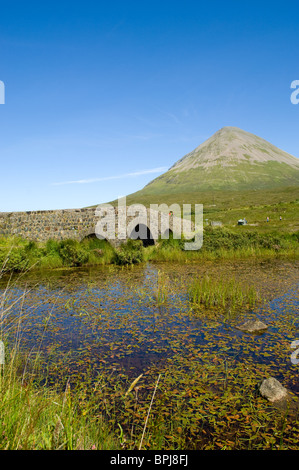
x: 200, y: 407
x: 183, y: 405
x: 222, y: 243
x: 229, y: 206
x: 223, y: 238
x: 242, y: 176
x: 223, y: 293
x: 230, y: 159
x: 131, y: 252
x: 18, y: 255
x: 37, y: 417
x: 161, y: 292
x: 196, y: 388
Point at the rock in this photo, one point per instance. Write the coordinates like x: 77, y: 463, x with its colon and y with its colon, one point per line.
x: 273, y: 390
x: 253, y: 326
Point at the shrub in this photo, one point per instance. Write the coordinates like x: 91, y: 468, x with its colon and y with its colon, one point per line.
x: 100, y: 251
x: 14, y: 259
x: 52, y: 247
x: 131, y: 252
x: 222, y: 238
x: 72, y: 253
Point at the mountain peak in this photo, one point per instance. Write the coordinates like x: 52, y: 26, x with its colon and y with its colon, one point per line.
x: 230, y: 146
x: 230, y: 159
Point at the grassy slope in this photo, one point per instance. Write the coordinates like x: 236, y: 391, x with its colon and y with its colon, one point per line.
x: 229, y: 206
x: 242, y: 176
x: 234, y: 174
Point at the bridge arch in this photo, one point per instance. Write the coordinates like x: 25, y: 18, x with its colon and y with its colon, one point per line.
x: 89, y: 236
x: 143, y: 233
x: 92, y: 236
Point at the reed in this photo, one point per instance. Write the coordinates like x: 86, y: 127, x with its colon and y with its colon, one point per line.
x: 161, y: 292
x: 35, y: 416
x: 222, y: 293
x: 148, y: 413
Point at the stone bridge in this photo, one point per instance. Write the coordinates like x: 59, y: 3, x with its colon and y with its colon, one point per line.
x: 78, y: 224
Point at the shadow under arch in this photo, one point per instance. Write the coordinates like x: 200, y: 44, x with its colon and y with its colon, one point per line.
x: 143, y: 233
x: 168, y: 234
x: 92, y: 237
x: 89, y: 236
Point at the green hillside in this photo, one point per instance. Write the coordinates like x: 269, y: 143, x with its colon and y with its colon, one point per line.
x: 234, y: 174
x: 231, y: 159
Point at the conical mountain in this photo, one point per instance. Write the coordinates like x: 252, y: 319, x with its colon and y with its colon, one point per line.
x: 231, y: 159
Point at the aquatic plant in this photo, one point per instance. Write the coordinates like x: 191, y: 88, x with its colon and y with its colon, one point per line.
x: 89, y: 376
x: 161, y: 292
x: 223, y: 293
x: 33, y: 414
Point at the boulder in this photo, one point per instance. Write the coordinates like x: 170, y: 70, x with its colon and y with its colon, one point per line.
x: 272, y: 390
x: 252, y: 326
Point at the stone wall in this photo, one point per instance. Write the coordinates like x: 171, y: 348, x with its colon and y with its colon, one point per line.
x: 43, y: 225
x: 75, y: 224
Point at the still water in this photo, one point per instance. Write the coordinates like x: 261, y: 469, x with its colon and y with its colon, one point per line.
x: 120, y: 319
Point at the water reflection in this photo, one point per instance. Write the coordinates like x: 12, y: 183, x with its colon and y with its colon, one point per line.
x: 114, y: 316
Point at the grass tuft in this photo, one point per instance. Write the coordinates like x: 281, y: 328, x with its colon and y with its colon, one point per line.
x: 223, y: 293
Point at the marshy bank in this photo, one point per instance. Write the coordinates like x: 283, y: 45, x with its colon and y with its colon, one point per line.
x: 88, y: 334
x: 19, y: 255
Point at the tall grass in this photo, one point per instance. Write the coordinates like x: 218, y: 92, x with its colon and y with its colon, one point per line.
x: 222, y: 243
x: 18, y: 255
x: 221, y: 293
x: 35, y: 416
x: 161, y: 293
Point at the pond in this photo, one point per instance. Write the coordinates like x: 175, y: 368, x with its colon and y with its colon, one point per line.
x: 121, y: 337
x: 121, y: 319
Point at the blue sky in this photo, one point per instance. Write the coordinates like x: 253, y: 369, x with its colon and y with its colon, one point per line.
x: 102, y: 97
